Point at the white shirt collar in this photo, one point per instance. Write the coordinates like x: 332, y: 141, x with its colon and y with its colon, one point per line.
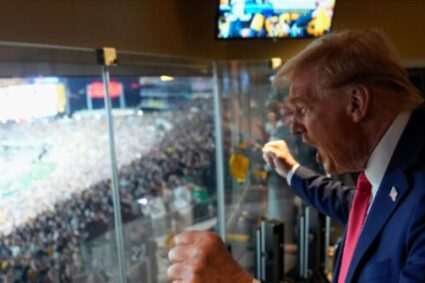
x: 381, y: 155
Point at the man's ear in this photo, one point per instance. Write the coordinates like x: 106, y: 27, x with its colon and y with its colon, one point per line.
x: 359, y: 102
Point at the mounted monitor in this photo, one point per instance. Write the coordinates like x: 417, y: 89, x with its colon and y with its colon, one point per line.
x: 275, y: 19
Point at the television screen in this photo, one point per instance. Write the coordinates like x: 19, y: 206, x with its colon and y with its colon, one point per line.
x: 274, y: 18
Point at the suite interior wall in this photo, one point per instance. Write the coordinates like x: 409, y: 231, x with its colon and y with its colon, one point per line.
x: 186, y: 27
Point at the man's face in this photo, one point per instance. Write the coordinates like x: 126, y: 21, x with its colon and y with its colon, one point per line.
x: 322, y: 118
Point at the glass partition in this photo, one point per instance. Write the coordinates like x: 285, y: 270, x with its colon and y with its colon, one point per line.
x: 57, y: 204
x: 165, y: 151
x: 54, y: 165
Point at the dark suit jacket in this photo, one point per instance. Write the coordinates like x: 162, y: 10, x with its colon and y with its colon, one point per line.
x: 391, y: 247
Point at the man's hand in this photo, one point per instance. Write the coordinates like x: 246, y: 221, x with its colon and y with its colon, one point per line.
x: 277, y: 156
x: 201, y: 257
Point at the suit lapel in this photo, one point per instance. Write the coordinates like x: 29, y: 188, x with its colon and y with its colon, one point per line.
x: 339, y: 259
x: 407, y: 152
x: 382, y: 208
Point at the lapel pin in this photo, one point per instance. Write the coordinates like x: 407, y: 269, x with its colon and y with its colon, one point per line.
x: 393, y: 194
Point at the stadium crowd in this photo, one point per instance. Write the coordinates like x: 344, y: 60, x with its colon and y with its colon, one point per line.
x: 165, y: 158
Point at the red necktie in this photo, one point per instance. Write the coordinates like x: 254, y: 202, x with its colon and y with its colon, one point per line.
x: 355, y: 223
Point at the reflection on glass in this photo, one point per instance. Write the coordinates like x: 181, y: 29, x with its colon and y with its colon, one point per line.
x: 255, y: 112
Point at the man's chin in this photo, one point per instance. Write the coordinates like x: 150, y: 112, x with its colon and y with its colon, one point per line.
x: 330, y: 168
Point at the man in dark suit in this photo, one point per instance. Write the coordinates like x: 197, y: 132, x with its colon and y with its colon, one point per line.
x: 353, y: 101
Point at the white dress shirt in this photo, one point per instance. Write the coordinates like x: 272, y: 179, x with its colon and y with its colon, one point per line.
x: 381, y: 155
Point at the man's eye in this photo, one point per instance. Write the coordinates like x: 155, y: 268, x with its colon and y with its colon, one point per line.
x: 302, y: 109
